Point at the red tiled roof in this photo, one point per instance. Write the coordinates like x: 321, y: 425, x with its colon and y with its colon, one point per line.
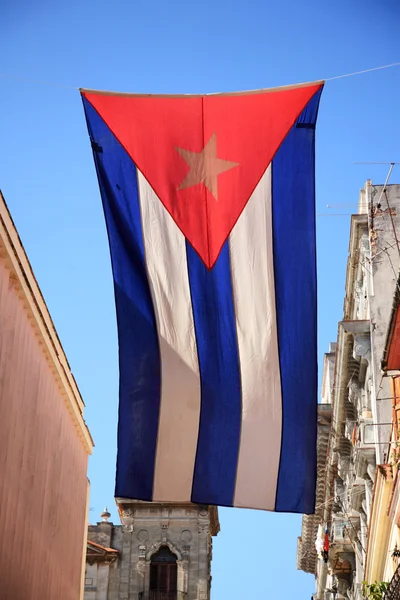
x: 90, y: 543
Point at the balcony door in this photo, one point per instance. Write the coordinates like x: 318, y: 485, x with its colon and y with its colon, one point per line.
x: 163, y: 575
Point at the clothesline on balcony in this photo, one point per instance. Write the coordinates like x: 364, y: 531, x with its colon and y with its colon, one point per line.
x: 334, y: 498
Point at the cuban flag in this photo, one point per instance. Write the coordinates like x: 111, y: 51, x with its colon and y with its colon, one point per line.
x: 209, y: 203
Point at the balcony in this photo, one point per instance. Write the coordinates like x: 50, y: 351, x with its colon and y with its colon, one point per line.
x: 393, y: 591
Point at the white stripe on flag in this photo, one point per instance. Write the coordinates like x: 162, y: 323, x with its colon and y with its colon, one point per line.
x: 165, y: 252
x: 252, y: 267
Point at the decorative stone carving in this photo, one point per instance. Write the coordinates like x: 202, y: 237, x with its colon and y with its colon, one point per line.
x: 163, y: 542
x: 203, y: 521
x: 186, y: 535
x: 105, y: 515
x: 143, y: 535
x: 127, y: 519
x: 183, y: 568
x: 203, y: 529
x: 164, y: 518
x: 362, y: 346
x: 127, y: 513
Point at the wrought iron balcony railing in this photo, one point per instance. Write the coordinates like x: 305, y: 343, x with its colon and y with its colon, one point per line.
x: 161, y: 595
x: 393, y: 591
x: 158, y: 595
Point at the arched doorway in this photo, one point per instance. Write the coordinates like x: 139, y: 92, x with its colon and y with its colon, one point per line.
x: 163, y: 575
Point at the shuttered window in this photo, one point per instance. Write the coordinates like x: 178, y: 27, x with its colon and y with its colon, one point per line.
x: 163, y: 577
x: 163, y: 571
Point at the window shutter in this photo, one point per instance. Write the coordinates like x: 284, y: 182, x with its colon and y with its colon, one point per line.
x: 173, y: 578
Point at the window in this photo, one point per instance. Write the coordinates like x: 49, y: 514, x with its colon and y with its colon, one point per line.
x: 368, y: 434
x: 339, y: 532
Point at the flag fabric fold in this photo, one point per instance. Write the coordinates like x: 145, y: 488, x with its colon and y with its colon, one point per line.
x: 209, y: 203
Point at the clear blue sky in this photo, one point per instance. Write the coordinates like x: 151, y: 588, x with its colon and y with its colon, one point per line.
x: 48, y: 179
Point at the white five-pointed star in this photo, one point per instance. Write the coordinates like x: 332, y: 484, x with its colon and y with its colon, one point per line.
x: 205, y: 166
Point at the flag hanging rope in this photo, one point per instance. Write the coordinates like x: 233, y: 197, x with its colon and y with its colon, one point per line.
x: 74, y: 87
x: 395, y: 64
x: 37, y: 81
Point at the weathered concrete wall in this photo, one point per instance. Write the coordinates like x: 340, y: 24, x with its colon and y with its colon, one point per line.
x: 384, y: 222
x: 90, y: 582
x: 187, y: 533
x: 103, y: 533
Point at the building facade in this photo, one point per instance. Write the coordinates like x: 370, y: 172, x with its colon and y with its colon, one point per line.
x: 307, y: 559
x: 44, y: 441
x: 159, y: 552
x: 383, y: 555
x: 349, y: 545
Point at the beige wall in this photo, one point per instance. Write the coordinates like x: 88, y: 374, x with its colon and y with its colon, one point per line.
x: 44, y: 444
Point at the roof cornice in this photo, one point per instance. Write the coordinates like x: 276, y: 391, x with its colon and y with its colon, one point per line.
x: 17, y: 262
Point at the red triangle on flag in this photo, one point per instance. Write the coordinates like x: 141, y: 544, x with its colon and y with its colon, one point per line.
x: 203, y: 155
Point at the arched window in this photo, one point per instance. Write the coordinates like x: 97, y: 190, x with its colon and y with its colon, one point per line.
x: 163, y: 575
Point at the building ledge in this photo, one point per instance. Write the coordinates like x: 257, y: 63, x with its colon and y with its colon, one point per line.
x: 212, y: 511
x: 17, y: 262
x: 356, y: 326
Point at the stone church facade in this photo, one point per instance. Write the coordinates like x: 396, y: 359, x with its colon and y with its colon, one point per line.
x: 159, y: 552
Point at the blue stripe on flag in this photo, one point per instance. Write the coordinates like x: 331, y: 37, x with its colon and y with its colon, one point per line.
x: 293, y: 206
x: 221, y: 396
x: 139, y: 356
